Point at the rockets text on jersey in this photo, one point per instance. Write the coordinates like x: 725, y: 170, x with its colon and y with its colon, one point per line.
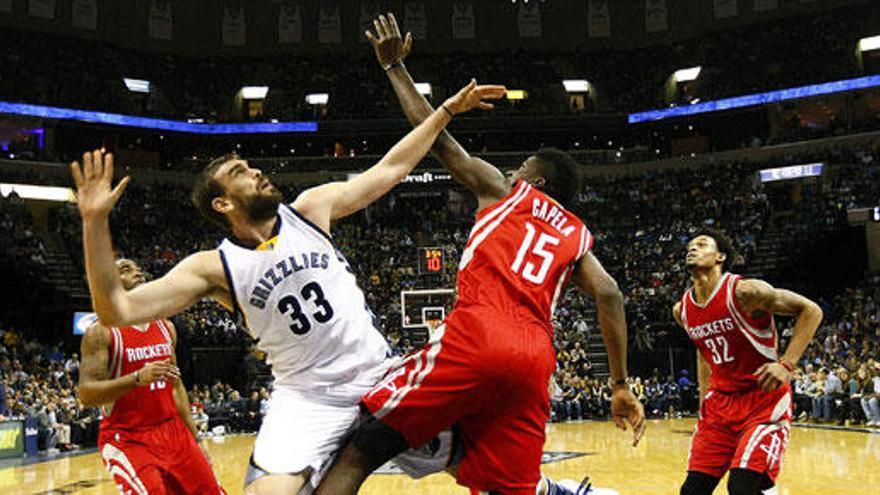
x: 131, y: 348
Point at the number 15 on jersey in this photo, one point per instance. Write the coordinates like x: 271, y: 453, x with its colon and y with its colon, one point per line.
x: 539, y: 249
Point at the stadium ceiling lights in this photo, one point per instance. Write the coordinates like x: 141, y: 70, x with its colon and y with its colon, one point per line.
x: 317, y: 98
x: 687, y: 75
x: 517, y: 94
x: 57, y: 113
x: 424, y: 88
x: 757, y: 99
x: 45, y: 193
x: 869, y: 43
x: 137, y: 85
x: 576, y: 85
x: 254, y: 92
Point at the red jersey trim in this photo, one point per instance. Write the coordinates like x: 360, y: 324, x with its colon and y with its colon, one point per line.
x: 165, y: 331
x: 493, y: 209
x: 119, y: 345
x: 753, y: 323
x: 496, y: 217
x: 748, y: 331
x: 721, y: 282
x: 586, y: 242
x: 682, y: 311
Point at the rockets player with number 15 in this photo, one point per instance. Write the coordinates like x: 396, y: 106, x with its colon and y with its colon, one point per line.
x: 745, y: 391
x: 486, y: 368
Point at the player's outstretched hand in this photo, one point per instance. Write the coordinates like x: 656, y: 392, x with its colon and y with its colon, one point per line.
x: 390, y: 47
x: 625, y: 408
x: 95, y: 195
x: 772, y: 375
x: 472, y: 96
x: 158, y: 370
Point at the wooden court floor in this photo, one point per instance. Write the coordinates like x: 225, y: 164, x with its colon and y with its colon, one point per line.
x: 818, y: 462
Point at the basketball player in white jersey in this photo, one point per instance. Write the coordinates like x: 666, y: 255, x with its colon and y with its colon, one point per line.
x: 281, y: 272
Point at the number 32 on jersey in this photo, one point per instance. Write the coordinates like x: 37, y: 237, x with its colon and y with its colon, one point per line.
x: 719, y: 349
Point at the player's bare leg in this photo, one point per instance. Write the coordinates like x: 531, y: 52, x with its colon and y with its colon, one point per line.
x: 348, y: 474
x: 272, y: 484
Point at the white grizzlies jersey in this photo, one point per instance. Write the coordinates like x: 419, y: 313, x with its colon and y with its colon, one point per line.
x: 300, y: 300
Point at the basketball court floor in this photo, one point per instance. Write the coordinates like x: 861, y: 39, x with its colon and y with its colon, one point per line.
x: 819, y: 462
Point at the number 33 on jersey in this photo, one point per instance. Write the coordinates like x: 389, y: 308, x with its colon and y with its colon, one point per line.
x: 301, y: 301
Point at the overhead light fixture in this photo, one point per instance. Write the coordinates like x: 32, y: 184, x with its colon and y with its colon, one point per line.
x: 137, y: 85
x: 517, y: 94
x: 317, y: 98
x: 576, y: 85
x: 869, y: 43
x: 424, y: 88
x: 686, y: 75
x: 254, y: 92
x: 44, y: 193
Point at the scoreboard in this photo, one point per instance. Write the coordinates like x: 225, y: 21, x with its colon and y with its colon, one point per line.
x: 431, y: 260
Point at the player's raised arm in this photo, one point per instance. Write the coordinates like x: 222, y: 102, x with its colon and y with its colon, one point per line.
x: 483, y: 179
x: 195, y: 277
x: 590, y: 276
x: 326, y: 203
x: 757, y: 296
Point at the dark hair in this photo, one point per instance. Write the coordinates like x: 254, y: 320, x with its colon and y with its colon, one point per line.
x: 207, y: 188
x: 560, y: 172
x: 725, y: 245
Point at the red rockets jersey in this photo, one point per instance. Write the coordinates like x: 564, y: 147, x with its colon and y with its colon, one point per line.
x: 733, y: 343
x: 520, y: 253
x: 130, y: 349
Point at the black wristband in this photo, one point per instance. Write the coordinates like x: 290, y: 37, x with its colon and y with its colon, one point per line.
x: 398, y: 63
x: 447, y: 110
x: 622, y: 381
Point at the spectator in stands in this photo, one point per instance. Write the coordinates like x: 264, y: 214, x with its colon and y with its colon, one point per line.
x: 84, y: 427
x: 71, y: 366
x: 816, y: 391
x: 673, y: 396
x: 217, y: 409
x: 871, y: 396
x: 801, y: 383
x: 236, y: 408
x: 687, y: 391
x: 655, y: 398
x: 253, y: 418
x: 833, y: 392
x: 47, y: 436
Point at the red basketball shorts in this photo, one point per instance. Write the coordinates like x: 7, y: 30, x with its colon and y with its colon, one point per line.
x: 742, y: 431
x: 161, y: 459
x: 487, y: 374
